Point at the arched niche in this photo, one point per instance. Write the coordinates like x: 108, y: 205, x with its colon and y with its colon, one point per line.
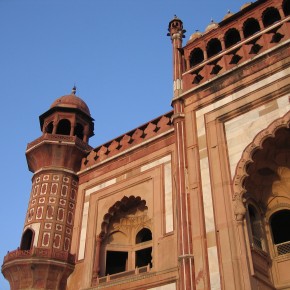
x: 213, y: 47
x: 250, y: 27
x: 196, y: 57
x: 270, y: 16
x: 232, y: 36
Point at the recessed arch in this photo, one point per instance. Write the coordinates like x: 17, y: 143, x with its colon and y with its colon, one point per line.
x: 270, y: 16
x: 250, y: 27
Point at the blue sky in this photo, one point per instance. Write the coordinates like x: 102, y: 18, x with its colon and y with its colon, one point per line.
x: 115, y: 51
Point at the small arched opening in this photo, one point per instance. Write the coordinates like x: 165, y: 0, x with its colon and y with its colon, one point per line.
x: 286, y: 7
x: 49, y: 128
x: 280, y: 225
x: 270, y: 16
x: 63, y: 127
x: 144, y: 235
x: 232, y: 36
x: 250, y: 27
x: 213, y: 47
x: 143, y: 257
x: 27, y: 240
x: 196, y: 57
x: 79, y: 131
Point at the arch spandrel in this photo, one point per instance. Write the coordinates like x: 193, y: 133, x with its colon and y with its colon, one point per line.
x: 247, y: 158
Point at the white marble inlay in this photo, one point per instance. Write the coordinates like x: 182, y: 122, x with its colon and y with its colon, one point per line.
x: 83, y: 231
x: 155, y: 163
x: 100, y: 186
x: 213, y: 268
x: 168, y: 198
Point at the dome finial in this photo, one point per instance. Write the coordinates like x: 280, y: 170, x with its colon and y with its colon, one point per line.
x: 74, y: 90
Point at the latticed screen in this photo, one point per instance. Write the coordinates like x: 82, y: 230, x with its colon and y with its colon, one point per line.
x: 283, y: 248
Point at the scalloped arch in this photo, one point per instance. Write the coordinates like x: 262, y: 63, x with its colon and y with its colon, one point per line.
x: 241, y: 173
x: 123, y: 205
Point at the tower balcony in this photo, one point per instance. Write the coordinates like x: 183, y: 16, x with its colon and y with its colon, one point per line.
x: 40, y: 268
x: 74, y: 140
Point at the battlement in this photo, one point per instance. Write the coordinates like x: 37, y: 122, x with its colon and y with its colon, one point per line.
x: 128, y: 140
x: 238, y: 38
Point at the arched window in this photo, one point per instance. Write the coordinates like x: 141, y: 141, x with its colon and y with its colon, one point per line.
x: 256, y: 229
x: 116, y: 257
x: 196, y: 57
x: 63, y: 127
x: 79, y: 131
x: 213, y: 47
x: 280, y: 227
x: 232, y: 36
x: 250, y: 27
x: 270, y: 16
x: 286, y: 7
x: 27, y: 240
x: 126, y: 239
x: 143, y: 255
x: 49, y: 128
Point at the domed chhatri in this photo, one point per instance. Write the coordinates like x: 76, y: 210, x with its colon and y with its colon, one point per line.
x: 245, y: 5
x: 228, y: 15
x: 211, y: 26
x: 71, y: 101
x: 194, y: 36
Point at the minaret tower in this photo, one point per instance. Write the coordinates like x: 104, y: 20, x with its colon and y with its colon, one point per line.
x: 184, y: 231
x: 44, y: 260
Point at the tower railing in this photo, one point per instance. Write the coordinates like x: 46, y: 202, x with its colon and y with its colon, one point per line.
x: 40, y: 253
x: 108, y: 277
x: 60, y: 138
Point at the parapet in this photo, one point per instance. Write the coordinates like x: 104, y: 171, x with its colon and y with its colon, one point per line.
x: 129, y: 140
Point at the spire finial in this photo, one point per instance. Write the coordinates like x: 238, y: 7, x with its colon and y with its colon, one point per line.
x: 74, y: 89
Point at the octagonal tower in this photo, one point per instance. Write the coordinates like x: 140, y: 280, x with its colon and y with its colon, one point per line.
x: 44, y: 260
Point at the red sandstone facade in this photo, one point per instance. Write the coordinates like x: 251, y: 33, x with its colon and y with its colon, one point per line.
x: 198, y: 198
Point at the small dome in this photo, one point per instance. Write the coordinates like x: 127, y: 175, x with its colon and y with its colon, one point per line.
x: 229, y: 14
x: 194, y: 36
x: 246, y: 5
x: 211, y: 26
x: 71, y: 101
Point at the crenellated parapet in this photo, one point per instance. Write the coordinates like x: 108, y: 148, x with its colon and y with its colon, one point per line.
x: 129, y: 140
x: 256, y: 29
